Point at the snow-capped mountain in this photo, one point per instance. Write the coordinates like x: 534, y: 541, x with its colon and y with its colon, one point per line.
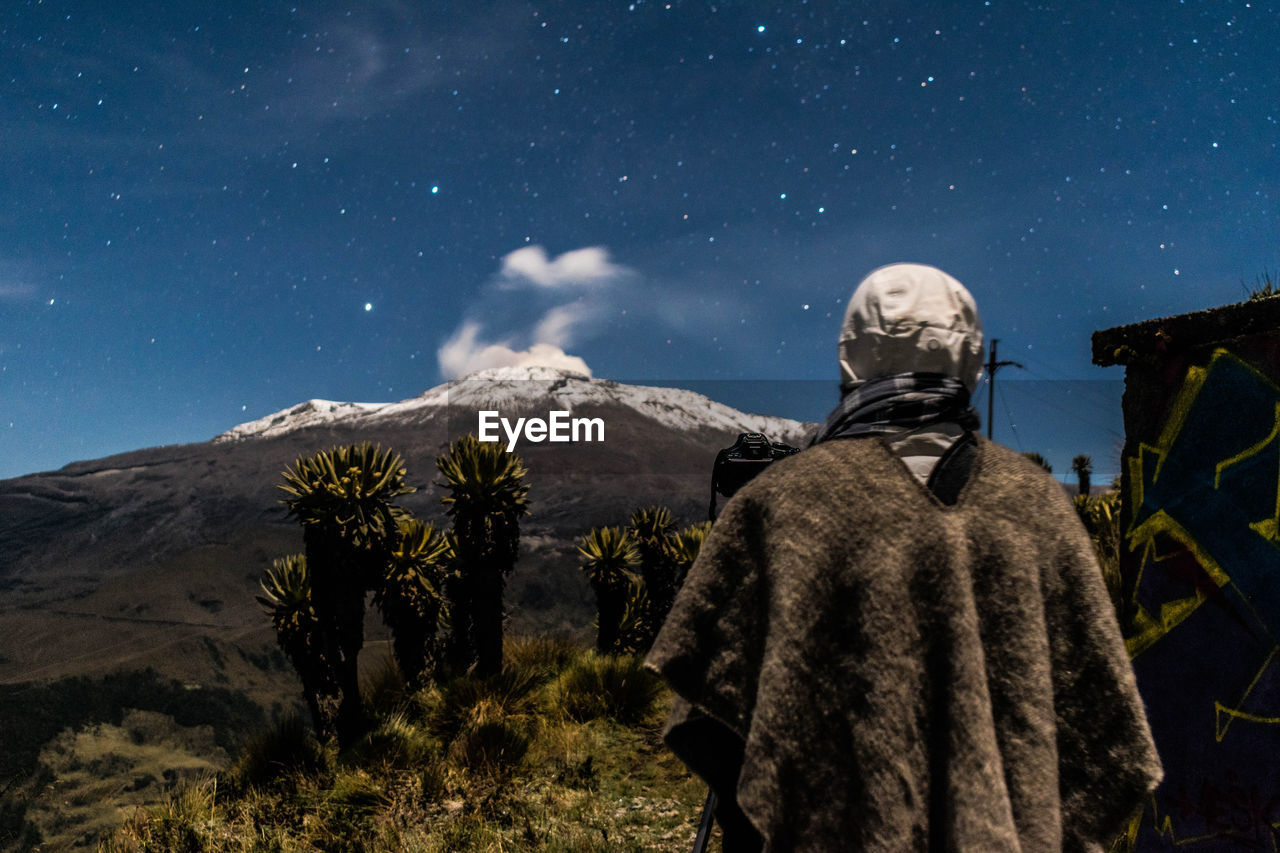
x: 520, y: 389
x: 152, y: 558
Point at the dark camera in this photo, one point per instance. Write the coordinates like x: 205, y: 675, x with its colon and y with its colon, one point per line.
x: 749, y: 455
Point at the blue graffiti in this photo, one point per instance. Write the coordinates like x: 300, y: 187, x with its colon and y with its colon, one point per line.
x: 1206, y: 605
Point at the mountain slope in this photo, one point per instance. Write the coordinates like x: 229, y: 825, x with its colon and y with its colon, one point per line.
x: 151, y: 558
x: 518, y: 390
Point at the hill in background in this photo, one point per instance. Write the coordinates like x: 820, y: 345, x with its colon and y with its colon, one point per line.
x: 128, y: 583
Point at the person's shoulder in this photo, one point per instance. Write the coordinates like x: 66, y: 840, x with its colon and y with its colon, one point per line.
x: 821, y: 472
x: 1010, y: 463
x: 826, y: 458
x: 1011, y: 475
x: 824, y: 486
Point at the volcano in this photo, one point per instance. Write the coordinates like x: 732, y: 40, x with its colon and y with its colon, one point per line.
x: 151, y: 559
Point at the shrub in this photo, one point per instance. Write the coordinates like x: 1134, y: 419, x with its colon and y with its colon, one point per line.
x: 596, y: 686
x: 383, y: 689
x: 491, y: 741
x: 177, y: 826
x: 287, y: 748
x: 544, y: 655
x: 355, y: 793
x: 395, y: 744
x: 449, y: 709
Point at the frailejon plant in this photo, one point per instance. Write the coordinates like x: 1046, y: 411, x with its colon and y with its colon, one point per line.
x: 286, y: 596
x: 685, y: 547
x: 636, y: 628
x: 412, y: 599
x: 1101, y: 518
x: 1039, y: 460
x: 487, y: 497
x: 343, y: 498
x: 1264, y: 287
x: 652, y: 528
x: 609, y: 555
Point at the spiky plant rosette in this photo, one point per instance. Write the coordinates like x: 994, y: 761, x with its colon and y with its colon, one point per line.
x: 652, y: 522
x: 636, y: 628
x: 608, y: 556
x: 688, y: 542
x: 685, y: 547
x: 286, y: 596
x: 347, y: 489
x: 651, y: 528
x: 415, y: 575
x: 482, y: 477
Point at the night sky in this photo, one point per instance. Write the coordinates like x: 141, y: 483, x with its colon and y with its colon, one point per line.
x: 214, y: 211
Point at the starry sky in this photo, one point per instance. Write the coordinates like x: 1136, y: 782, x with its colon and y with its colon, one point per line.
x: 213, y: 211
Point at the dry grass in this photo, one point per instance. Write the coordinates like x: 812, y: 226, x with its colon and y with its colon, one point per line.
x: 476, y: 765
x: 102, y: 772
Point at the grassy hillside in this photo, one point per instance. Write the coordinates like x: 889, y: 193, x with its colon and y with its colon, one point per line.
x: 560, y: 752
x: 74, y: 748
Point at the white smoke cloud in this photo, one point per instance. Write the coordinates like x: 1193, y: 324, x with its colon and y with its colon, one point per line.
x: 463, y: 353
x: 567, y: 295
x: 557, y: 325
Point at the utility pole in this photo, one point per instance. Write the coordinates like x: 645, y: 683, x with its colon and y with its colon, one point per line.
x: 992, y: 366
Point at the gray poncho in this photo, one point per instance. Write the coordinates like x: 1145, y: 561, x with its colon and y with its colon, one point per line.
x: 880, y: 672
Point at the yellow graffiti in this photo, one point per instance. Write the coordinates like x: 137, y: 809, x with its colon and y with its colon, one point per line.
x: 1178, y: 412
x: 1162, y: 826
x: 1267, y: 528
x: 1221, y: 711
x: 1151, y: 628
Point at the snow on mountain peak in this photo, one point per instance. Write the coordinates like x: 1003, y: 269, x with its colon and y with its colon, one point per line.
x: 536, y: 372
x: 522, y: 387
x: 308, y: 414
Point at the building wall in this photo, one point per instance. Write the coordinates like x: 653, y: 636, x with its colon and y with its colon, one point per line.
x: 1201, y: 575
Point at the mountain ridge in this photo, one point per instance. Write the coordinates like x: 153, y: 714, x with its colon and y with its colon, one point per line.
x: 151, y: 558
x: 675, y: 407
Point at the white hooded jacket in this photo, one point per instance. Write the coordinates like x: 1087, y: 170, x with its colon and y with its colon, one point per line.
x: 912, y: 318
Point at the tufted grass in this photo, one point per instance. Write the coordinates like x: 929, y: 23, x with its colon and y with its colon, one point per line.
x: 561, y: 752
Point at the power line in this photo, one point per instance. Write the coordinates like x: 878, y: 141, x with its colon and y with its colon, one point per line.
x: 992, y: 367
x: 1004, y: 401
x: 1056, y: 403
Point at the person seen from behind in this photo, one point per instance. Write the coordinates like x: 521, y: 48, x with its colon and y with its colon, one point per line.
x: 899, y: 639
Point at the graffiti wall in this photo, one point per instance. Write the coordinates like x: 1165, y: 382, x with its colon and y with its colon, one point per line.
x: 1203, y: 601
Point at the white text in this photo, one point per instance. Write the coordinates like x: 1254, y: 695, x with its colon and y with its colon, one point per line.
x: 558, y: 427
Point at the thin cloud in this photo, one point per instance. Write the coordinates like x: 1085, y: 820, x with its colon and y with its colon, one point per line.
x: 12, y: 292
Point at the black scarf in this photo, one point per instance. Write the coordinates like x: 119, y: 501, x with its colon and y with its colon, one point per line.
x: 893, y: 403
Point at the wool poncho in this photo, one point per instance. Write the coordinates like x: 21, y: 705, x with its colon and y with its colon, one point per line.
x: 872, y: 670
